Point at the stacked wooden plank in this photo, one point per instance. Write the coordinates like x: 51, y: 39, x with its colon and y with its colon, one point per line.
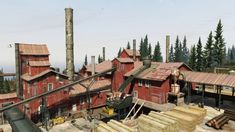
x: 230, y: 113
x: 197, y: 114
x: 218, y: 121
x: 114, y: 126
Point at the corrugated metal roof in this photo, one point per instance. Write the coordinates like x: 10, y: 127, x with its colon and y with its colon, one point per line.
x: 210, y: 78
x: 158, y: 70
x: 39, y: 63
x: 105, y: 65
x: 33, y: 49
x: 125, y: 60
x: 27, y: 77
x: 77, y: 89
x: 130, y: 52
x: 8, y: 95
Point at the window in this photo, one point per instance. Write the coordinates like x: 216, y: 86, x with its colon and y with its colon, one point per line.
x: 147, y: 84
x: 140, y: 83
x: 35, y: 90
x: 136, y: 94
x: 28, y: 88
x: 81, y: 100
x: 49, y: 86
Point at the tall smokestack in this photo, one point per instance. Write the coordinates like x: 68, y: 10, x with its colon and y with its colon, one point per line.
x: 69, y: 43
x: 167, y: 47
x: 134, y: 49
x: 19, y: 89
x: 103, y: 53
x: 92, y: 65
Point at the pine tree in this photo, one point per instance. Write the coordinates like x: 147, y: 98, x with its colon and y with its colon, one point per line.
x: 85, y: 62
x: 6, y: 86
x: 177, y: 48
x: 219, y: 45
x: 231, y: 57
x: 171, y: 56
x: 145, y: 47
x: 199, y: 57
x: 192, y: 58
x: 185, y: 51
x: 100, y: 59
x: 141, y: 50
x: 119, y: 52
x: 1, y: 82
x: 208, y: 52
x: 157, y: 55
x: 150, y: 50
x: 128, y: 45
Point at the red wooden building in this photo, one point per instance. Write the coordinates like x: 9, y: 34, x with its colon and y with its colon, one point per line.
x: 128, y: 53
x: 8, y: 98
x: 153, y: 84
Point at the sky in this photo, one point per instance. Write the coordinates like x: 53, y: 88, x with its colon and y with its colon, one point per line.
x: 108, y: 23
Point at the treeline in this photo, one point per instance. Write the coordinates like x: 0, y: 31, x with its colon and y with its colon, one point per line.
x: 199, y: 57
x: 145, y: 49
x: 7, y: 84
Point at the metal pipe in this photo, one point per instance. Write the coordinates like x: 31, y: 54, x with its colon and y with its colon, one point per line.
x: 69, y: 43
x: 103, y: 53
x: 131, y: 109
x: 134, y: 49
x: 167, y: 47
x: 92, y: 65
x: 137, y: 111
x: 56, y: 90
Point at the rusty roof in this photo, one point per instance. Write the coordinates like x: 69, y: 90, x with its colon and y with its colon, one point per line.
x: 78, y: 88
x: 125, y: 60
x: 105, y: 65
x: 210, y: 78
x: 158, y: 71
x: 28, y: 78
x: 39, y: 63
x: 8, y: 95
x: 33, y: 49
x: 130, y: 52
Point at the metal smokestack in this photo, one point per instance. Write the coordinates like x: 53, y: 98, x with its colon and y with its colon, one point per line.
x: 167, y: 47
x: 134, y: 49
x: 92, y: 65
x: 103, y: 53
x: 69, y: 43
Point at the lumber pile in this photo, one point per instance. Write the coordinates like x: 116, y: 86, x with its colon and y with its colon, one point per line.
x: 114, y: 126
x: 230, y: 113
x: 218, y: 121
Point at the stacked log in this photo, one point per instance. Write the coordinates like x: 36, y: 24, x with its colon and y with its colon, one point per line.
x: 218, y: 121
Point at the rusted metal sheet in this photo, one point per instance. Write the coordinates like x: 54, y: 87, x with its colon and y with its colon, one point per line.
x: 33, y: 49
x: 210, y: 78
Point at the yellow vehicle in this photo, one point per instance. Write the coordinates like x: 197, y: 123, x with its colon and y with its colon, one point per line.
x: 58, y: 120
x: 108, y: 110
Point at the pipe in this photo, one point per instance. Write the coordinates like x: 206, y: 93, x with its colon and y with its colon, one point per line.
x: 167, y: 47
x: 69, y: 43
x: 56, y: 90
x: 103, y: 53
x: 134, y: 49
x: 131, y: 109
x: 92, y: 65
x: 137, y: 111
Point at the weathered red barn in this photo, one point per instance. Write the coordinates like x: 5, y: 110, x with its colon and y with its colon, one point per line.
x: 123, y: 66
x: 128, y: 53
x: 153, y: 84
x: 8, y: 98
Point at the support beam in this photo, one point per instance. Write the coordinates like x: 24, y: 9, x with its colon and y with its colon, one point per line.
x: 55, y: 90
x: 203, y: 94
x: 219, y: 96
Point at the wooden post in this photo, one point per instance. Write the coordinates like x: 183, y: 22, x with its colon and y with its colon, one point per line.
x: 219, y: 96
x: 203, y: 94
